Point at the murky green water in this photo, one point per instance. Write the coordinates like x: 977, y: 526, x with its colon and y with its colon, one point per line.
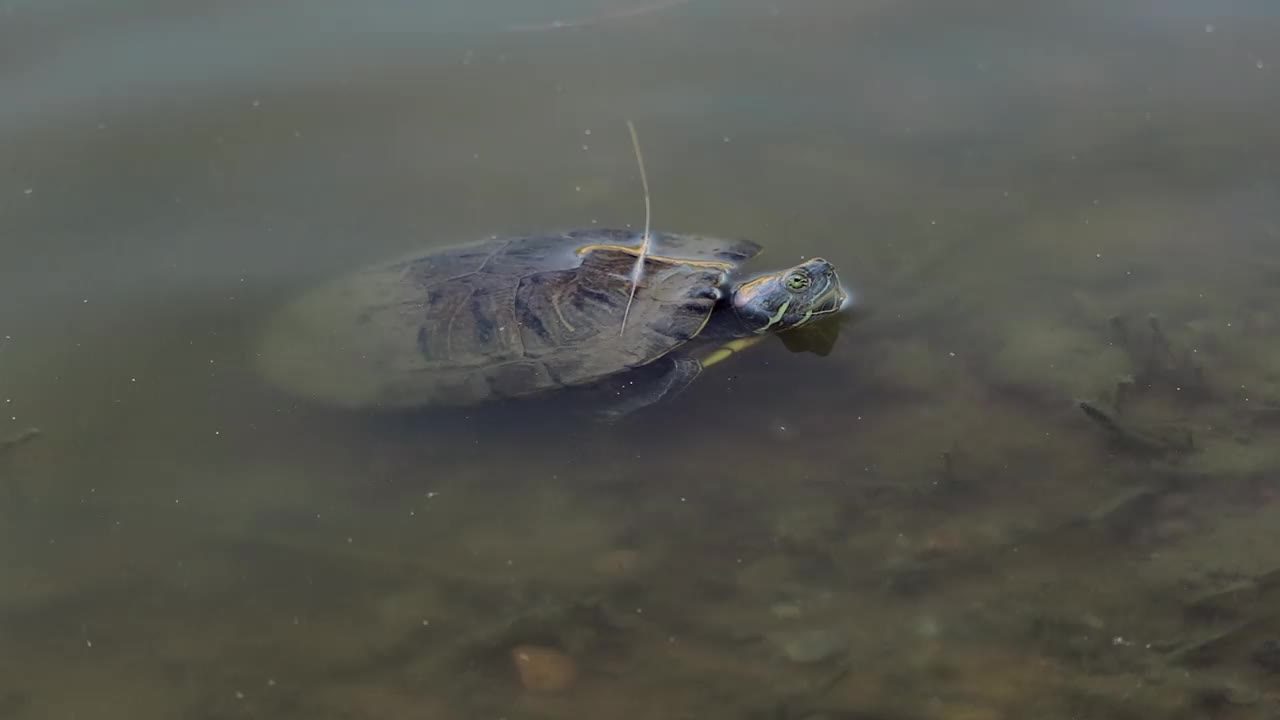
x: 922, y: 524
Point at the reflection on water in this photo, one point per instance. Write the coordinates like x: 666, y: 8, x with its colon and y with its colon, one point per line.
x: 921, y: 524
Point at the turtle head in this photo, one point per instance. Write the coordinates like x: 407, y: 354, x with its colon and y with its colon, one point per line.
x: 789, y: 298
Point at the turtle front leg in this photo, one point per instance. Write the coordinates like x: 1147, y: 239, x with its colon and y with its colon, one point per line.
x: 645, y: 386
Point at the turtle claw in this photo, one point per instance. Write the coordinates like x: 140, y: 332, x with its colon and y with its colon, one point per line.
x: 714, y: 294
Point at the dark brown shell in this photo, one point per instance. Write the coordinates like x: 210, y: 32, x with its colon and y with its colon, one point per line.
x: 500, y: 318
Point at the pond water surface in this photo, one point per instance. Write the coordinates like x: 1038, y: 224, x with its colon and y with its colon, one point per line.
x: 1037, y: 204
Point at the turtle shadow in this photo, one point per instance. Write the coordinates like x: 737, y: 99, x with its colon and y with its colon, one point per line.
x: 563, y: 415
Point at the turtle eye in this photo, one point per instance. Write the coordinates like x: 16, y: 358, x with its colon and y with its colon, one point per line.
x: 797, y: 282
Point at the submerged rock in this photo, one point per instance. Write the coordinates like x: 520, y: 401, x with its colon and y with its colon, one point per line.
x: 544, y: 669
x: 619, y: 563
x: 1235, y: 693
x: 786, y: 610
x: 809, y: 646
x: 1267, y: 656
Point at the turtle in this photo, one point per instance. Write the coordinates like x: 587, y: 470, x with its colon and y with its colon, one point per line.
x: 523, y: 315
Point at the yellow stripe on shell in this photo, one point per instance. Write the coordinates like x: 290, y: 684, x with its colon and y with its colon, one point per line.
x: 656, y: 258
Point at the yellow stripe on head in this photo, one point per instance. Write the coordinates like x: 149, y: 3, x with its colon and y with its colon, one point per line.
x: 777, y: 317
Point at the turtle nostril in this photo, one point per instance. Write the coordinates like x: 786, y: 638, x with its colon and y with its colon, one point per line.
x: 821, y: 265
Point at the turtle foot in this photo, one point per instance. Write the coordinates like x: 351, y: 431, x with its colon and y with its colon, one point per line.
x: 649, y: 385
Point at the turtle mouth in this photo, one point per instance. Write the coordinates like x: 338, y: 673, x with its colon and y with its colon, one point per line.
x: 835, y: 300
x: 843, y: 299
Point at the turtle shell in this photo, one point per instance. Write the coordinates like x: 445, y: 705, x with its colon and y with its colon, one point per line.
x: 500, y: 318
